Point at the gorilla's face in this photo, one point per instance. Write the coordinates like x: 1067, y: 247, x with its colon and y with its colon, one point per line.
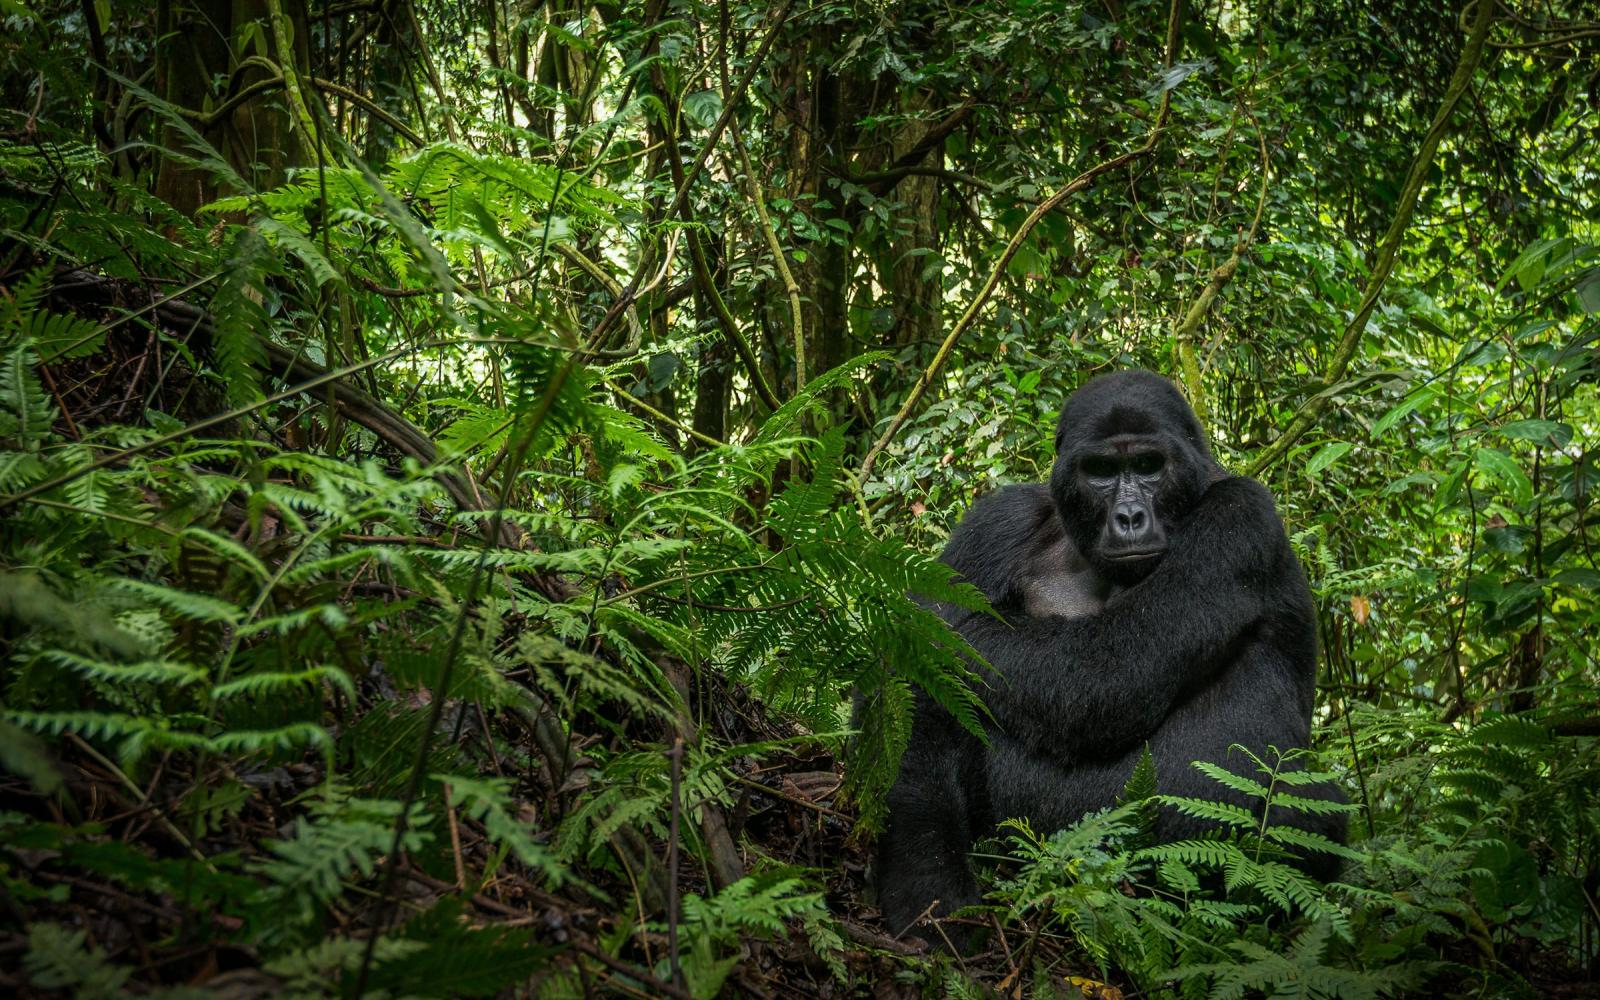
x: 1130, y: 463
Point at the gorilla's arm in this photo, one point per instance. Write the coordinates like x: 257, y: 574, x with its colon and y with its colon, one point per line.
x: 1092, y: 687
x: 994, y: 545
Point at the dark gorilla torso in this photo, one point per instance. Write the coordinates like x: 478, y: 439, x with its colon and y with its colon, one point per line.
x: 1213, y: 644
x: 1053, y: 793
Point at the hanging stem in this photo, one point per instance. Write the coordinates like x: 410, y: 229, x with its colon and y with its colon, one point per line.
x: 1040, y: 210
x: 1184, y: 334
x: 791, y: 287
x: 1307, y: 416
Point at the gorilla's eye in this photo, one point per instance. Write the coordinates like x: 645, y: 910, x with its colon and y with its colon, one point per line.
x: 1149, y: 463
x: 1099, y: 467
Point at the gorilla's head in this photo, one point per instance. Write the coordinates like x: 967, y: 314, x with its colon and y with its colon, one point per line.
x: 1131, y: 460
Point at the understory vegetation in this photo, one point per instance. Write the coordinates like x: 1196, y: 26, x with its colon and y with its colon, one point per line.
x: 465, y: 470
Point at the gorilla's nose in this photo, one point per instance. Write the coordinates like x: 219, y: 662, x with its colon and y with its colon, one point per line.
x: 1130, y: 523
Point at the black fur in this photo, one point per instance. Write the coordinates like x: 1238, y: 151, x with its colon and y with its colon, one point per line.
x: 1209, y: 644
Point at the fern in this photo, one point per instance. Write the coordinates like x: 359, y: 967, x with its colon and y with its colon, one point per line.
x: 487, y: 801
x: 59, y: 959
x: 1300, y: 971
x: 761, y: 904
x: 157, y: 672
x: 25, y: 297
x: 239, y: 319
x: 341, y: 839
x: 26, y: 412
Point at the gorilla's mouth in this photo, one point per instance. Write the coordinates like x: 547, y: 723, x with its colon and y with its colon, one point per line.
x: 1135, y: 555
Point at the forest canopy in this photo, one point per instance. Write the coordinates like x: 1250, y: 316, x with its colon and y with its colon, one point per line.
x: 471, y: 474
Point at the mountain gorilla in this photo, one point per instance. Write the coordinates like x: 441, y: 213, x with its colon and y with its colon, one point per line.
x: 1145, y: 596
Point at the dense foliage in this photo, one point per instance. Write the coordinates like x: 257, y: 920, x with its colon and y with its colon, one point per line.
x: 464, y: 469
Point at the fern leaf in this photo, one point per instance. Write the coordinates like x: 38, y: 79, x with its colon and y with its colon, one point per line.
x: 240, y: 322
x: 26, y: 412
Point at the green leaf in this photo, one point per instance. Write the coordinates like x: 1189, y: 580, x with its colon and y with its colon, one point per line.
x: 702, y: 107
x: 1529, y: 267
x: 1498, y: 465
x: 1418, y: 398
x: 1451, y: 488
x: 1327, y: 455
x: 1579, y: 577
x: 1545, y: 433
x: 297, y: 243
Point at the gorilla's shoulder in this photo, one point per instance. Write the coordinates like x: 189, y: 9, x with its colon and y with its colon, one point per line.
x: 1243, y: 516
x: 1000, y: 532
x: 1244, y: 495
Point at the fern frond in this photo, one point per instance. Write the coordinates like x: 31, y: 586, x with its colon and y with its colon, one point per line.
x: 1224, y: 813
x: 488, y: 801
x: 183, y: 603
x: 158, y: 672
x: 239, y: 320
x: 26, y: 411
x: 272, y: 683
x: 1228, y: 779
x: 339, y: 841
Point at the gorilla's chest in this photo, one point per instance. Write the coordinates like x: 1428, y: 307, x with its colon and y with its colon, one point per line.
x: 1058, y: 580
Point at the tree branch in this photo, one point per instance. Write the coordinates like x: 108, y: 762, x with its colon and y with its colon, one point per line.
x: 1040, y: 210
x: 1183, y: 334
x: 1307, y: 416
x: 884, y: 181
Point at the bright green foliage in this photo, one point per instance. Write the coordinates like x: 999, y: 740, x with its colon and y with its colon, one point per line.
x: 762, y: 904
x: 1224, y: 917
x: 291, y: 661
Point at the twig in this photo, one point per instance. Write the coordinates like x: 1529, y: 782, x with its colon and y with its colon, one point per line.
x: 1005, y: 946
x: 871, y: 939
x: 785, y: 796
x: 617, y: 965
x: 455, y: 837
x: 676, y: 756
x: 1389, y: 249
x: 1040, y: 210
x: 143, y: 800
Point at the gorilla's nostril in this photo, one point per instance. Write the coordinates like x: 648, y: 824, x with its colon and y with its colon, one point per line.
x: 1129, y: 520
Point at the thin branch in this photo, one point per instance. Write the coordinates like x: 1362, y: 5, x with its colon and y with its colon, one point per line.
x: 206, y: 119
x: 1389, y: 249
x: 633, y: 400
x: 896, y: 174
x: 885, y: 180
x: 1183, y: 334
x: 1040, y: 210
x: 366, y: 104
x: 692, y: 171
x: 705, y: 280
x: 791, y: 287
